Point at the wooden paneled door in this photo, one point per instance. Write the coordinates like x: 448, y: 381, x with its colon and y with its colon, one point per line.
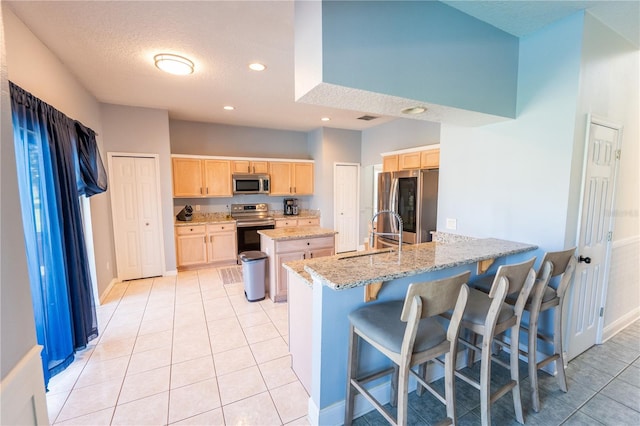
x: 135, y: 206
x: 587, y: 296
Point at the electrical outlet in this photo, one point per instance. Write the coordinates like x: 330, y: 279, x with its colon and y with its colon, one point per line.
x: 452, y: 223
x: 197, y: 207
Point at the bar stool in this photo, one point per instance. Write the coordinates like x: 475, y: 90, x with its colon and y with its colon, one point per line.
x: 553, y: 279
x: 408, y: 334
x: 488, y: 316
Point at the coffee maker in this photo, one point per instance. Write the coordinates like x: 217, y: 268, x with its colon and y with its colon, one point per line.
x: 290, y: 206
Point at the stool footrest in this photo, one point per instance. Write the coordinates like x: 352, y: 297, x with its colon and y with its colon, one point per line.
x: 373, y: 376
x: 502, y: 391
x: 547, y: 360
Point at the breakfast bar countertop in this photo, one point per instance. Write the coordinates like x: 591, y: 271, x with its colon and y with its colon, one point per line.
x: 361, y: 268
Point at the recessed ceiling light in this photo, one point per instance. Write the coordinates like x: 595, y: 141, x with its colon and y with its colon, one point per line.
x: 173, y: 64
x: 414, y: 110
x: 325, y: 119
x: 256, y: 66
x: 228, y: 107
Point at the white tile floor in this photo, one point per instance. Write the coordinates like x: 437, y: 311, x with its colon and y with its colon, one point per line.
x: 182, y: 350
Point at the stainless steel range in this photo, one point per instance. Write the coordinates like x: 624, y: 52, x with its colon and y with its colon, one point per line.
x: 250, y: 218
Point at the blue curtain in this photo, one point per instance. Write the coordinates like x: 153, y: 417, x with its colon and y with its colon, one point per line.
x: 57, y: 161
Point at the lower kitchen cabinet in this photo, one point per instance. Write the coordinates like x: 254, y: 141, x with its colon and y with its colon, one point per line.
x: 191, y: 245
x: 201, y: 245
x: 221, y: 243
x: 289, y: 250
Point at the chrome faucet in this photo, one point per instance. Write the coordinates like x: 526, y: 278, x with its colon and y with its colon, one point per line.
x: 396, y: 224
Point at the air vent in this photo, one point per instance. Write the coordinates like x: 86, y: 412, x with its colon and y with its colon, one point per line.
x: 367, y: 117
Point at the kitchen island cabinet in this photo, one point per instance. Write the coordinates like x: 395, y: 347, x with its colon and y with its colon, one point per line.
x: 289, y: 244
x: 329, y: 288
x: 294, y: 221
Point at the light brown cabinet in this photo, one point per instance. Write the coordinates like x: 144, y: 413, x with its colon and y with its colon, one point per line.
x: 282, y: 251
x: 291, y: 178
x: 430, y: 159
x: 410, y: 160
x: 221, y: 240
x: 204, y: 244
x: 390, y: 163
x: 246, y: 166
x: 426, y: 159
x: 195, y: 178
x: 191, y: 245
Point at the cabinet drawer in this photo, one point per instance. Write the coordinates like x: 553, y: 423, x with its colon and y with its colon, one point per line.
x: 304, y: 244
x: 190, y: 230
x: 309, y: 222
x: 287, y: 223
x: 221, y: 227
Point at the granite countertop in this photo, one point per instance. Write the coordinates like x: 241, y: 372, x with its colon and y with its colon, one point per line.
x: 297, y: 233
x: 357, y: 269
x: 204, y: 218
x: 297, y: 267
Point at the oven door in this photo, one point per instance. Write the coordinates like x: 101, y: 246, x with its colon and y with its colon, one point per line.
x: 248, y: 237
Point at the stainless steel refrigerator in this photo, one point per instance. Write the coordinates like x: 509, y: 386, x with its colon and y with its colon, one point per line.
x: 413, y: 195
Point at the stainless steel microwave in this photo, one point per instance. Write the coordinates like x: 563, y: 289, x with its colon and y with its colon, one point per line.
x: 244, y: 183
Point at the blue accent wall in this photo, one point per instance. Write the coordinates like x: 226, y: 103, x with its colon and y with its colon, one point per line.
x: 425, y: 51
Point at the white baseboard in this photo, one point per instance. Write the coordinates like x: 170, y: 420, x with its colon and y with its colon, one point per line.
x: 106, y: 291
x: 171, y: 273
x: 22, y: 394
x: 618, y: 325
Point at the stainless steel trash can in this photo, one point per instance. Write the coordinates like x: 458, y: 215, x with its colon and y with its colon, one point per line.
x: 253, y: 274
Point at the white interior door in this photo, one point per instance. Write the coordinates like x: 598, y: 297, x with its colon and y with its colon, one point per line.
x: 594, y: 241
x: 136, y: 218
x: 346, y: 196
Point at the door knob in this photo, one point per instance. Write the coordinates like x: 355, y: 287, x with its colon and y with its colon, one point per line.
x: 586, y: 260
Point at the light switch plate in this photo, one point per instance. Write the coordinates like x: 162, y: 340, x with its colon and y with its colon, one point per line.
x: 452, y: 223
x: 197, y: 207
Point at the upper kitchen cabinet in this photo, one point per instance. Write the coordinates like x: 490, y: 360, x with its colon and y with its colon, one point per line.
x: 194, y: 177
x: 247, y: 166
x: 390, y: 163
x: 426, y: 157
x: 291, y: 178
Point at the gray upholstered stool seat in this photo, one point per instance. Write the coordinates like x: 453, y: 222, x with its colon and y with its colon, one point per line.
x: 381, y: 323
x: 478, y: 308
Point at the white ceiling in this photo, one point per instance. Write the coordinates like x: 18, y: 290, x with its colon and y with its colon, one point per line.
x: 109, y: 46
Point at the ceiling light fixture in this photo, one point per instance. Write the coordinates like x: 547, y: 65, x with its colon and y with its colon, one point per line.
x: 325, y: 119
x: 256, y: 66
x: 414, y: 110
x: 228, y: 108
x: 173, y: 64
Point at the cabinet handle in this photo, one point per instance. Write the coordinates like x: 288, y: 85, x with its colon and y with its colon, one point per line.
x: 205, y: 239
x: 207, y: 190
x: 311, y: 255
x: 294, y: 189
x: 304, y: 255
x: 200, y: 190
x: 211, y: 238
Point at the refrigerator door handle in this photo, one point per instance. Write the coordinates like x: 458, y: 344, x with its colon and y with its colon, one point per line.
x: 393, y: 203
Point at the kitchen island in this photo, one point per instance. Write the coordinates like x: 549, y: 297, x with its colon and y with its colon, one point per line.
x: 323, y: 291
x: 289, y: 244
